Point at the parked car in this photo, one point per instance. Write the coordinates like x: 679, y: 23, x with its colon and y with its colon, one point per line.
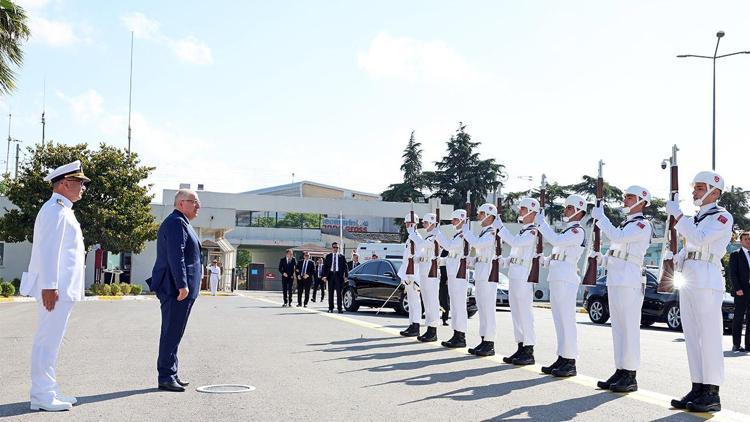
x: 502, y: 289
x: 371, y: 283
x: 657, y: 307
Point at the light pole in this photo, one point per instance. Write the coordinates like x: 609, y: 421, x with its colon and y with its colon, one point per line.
x: 719, y: 35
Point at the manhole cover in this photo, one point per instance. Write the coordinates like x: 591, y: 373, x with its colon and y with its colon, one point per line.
x: 225, y: 388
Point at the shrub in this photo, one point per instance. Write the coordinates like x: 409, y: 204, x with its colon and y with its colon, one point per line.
x: 95, y: 289
x: 17, y: 285
x: 7, y: 289
x: 136, y: 289
x: 125, y: 288
x: 115, y: 288
x: 105, y: 290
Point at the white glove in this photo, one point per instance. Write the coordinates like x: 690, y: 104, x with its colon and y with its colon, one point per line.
x: 539, y: 218
x: 544, y: 261
x: 598, y: 256
x: 673, y: 207
x: 411, y: 230
x: 597, y: 213
x: 668, y: 255
x: 466, y: 228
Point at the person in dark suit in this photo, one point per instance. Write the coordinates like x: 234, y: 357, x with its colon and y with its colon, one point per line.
x: 353, y: 263
x: 176, y: 280
x: 739, y: 274
x: 445, y: 300
x: 287, y: 268
x: 335, y: 270
x: 318, y: 282
x: 305, y: 276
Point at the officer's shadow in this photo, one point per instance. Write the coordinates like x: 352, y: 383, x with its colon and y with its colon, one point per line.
x: 442, y: 377
x: 22, y: 408
x: 491, y: 391
x: 383, y: 355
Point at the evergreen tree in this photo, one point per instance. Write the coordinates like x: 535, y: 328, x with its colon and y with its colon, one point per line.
x: 411, y: 188
x: 735, y: 200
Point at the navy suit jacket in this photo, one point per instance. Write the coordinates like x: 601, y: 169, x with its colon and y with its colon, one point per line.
x: 178, y: 258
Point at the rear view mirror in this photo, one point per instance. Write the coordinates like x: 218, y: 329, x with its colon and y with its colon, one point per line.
x: 389, y: 274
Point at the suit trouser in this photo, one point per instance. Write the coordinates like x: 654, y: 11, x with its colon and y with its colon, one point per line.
x: 741, y: 308
x: 415, y: 303
x: 49, y: 335
x: 445, y: 301
x: 521, y: 300
x: 287, y: 284
x: 625, y: 305
x: 562, y: 297
x: 303, y: 284
x: 319, y: 284
x: 457, y: 288
x: 702, y: 325
x: 174, y: 318
x: 486, y: 308
x: 336, y: 285
x: 431, y: 298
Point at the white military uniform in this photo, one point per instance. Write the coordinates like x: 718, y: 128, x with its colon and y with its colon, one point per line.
x: 484, y: 246
x: 707, y: 236
x: 625, y: 285
x: 520, y: 292
x: 424, y: 249
x: 457, y: 287
x: 564, y: 279
x: 214, y: 272
x: 57, y: 262
x: 411, y: 284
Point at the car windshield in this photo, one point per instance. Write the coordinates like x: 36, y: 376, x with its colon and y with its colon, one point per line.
x: 396, y: 264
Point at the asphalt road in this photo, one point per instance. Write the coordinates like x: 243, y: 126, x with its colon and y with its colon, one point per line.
x: 311, y: 365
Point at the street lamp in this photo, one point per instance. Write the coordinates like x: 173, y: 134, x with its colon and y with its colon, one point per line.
x: 719, y: 35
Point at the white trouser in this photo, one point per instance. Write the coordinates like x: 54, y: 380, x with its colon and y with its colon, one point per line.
x: 457, y: 288
x: 49, y: 335
x: 431, y: 299
x: 521, y: 299
x: 625, y: 313
x: 562, y: 297
x: 214, y: 284
x: 486, y: 297
x: 415, y: 303
x: 700, y: 310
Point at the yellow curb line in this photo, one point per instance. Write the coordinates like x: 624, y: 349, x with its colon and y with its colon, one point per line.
x: 645, y: 396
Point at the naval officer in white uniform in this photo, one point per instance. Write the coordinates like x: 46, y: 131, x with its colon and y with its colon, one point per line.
x: 55, y: 278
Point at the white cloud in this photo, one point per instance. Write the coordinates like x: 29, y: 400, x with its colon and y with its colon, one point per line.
x: 187, y: 49
x: 52, y: 32
x: 86, y: 105
x: 32, y: 4
x: 390, y: 57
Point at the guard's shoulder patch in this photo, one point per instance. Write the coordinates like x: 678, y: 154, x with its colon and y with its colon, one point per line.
x: 533, y: 231
x: 641, y: 225
x: 575, y: 230
x: 722, y: 219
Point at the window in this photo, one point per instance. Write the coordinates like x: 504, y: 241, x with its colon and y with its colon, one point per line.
x: 263, y: 219
x: 243, y: 218
x: 369, y: 268
x: 383, y: 268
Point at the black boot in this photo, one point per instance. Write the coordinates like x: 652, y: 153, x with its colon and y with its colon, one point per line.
x: 548, y: 369
x: 473, y: 350
x: 526, y: 357
x: 411, y: 331
x: 509, y: 359
x: 458, y: 340
x: 567, y: 369
x: 708, y: 401
x: 604, y: 385
x: 429, y: 335
x: 626, y: 383
x: 692, y: 395
x: 487, y: 350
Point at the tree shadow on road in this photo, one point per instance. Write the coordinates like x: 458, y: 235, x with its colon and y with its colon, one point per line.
x: 491, y: 391
x: 564, y: 410
x: 446, y: 377
x: 22, y: 408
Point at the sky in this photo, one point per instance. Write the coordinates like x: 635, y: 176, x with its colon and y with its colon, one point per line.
x: 245, y: 95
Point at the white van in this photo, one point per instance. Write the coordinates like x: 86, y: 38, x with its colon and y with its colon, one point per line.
x: 382, y: 250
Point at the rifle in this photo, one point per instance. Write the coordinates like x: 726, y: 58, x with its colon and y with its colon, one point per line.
x: 591, y: 271
x: 434, y: 267
x: 666, y: 280
x: 410, y: 262
x: 534, y: 272
x: 495, y: 270
x: 461, y: 274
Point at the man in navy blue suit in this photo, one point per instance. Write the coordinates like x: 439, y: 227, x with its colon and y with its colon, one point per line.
x: 176, y: 281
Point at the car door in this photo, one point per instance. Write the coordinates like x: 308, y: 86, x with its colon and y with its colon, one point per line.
x: 386, y: 280
x: 364, y: 279
x: 653, y: 301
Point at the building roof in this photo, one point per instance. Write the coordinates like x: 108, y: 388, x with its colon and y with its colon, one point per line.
x: 295, y: 189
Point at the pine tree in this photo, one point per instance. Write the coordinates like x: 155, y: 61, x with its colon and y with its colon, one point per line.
x: 411, y: 188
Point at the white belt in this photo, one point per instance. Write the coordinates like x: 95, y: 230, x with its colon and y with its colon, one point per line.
x: 562, y: 257
x: 483, y: 259
x: 456, y: 256
x: 637, y: 260
x: 517, y: 261
x: 422, y: 259
x: 703, y: 256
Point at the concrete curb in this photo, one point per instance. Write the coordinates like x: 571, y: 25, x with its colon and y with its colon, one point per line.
x: 26, y: 299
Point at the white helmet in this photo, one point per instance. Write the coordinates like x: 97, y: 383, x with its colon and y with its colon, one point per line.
x: 430, y: 218
x: 530, y: 204
x: 488, y: 209
x: 577, y: 202
x: 712, y: 180
x: 407, y: 219
x: 460, y: 214
x: 642, y: 193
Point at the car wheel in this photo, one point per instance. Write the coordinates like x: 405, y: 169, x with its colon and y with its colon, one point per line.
x: 598, y: 313
x: 673, y: 317
x: 403, y: 305
x: 350, y: 300
x: 647, y: 322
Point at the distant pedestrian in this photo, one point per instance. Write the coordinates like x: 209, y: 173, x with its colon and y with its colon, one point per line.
x: 287, y: 268
x: 335, y: 273
x: 305, y: 275
x: 739, y: 273
x: 214, y: 273
x: 318, y: 282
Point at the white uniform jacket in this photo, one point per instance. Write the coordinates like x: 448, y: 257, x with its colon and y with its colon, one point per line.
x: 629, y: 243
x: 567, y: 247
x: 522, y: 249
x: 405, y: 263
x: 484, y: 245
x: 707, y: 235
x: 455, y: 248
x: 57, y: 252
x: 424, y: 248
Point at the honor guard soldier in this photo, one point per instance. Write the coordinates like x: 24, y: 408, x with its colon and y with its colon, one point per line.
x: 564, y: 279
x: 707, y: 236
x: 521, y: 292
x: 457, y: 287
x: 56, y: 279
x: 429, y: 286
x: 411, y: 282
x: 484, y: 246
x: 626, y: 285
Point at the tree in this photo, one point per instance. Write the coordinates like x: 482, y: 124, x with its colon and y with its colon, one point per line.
x: 411, y: 187
x: 735, y: 200
x: 462, y: 171
x: 13, y: 32
x: 612, y: 195
x: 115, y: 210
x: 244, y: 258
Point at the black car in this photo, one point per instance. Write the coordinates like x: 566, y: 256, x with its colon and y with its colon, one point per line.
x: 657, y: 307
x: 371, y: 283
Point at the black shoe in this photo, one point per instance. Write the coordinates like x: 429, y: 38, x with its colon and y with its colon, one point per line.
x: 299, y: 304
x: 509, y: 359
x: 604, y: 385
x: 567, y: 369
x: 341, y: 311
x: 473, y: 350
x: 690, y: 396
x: 330, y: 311
x: 626, y: 383
x: 313, y: 299
x: 445, y: 323
x: 171, y: 386
x: 411, y: 331
x: 548, y: 369
x: 743, y: 350
x: 487, y: 350
x: 736, y: 348
x: 526, y: 357
x: 305, y: 306
x: 184, y: 384
x: 458, y: 340
x: 429, y: 336
x: 708, y: 401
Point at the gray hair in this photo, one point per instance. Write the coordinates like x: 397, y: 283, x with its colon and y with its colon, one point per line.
x: 183, y: 194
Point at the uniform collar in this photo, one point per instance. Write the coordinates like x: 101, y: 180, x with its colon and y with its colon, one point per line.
x: 67, y: 203
x: 632, y: 216
x: 572, y: 223
x: 705, y: 207
x: 526, y: 226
